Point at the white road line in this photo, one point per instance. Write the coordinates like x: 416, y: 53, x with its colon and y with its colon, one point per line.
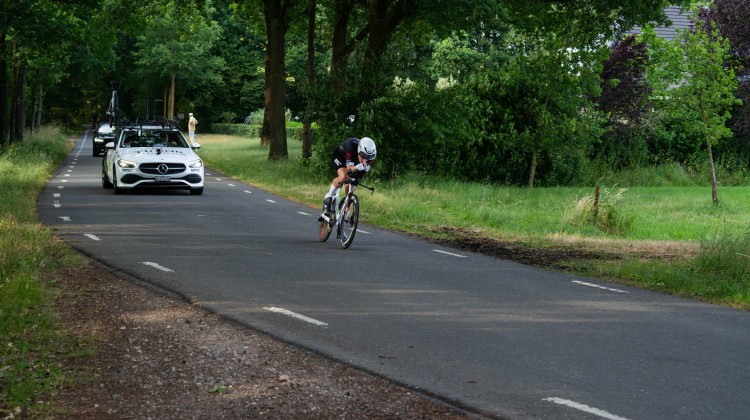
x: 92, y: 236
x: 60, y: 187
x: 56, y: 195
x: 158, y: 267
x: 365, y: 232
x: 450, y: 253
x: 583, y: 283
x: 57, y: 204
x: 218, y: 179
x: 295, y: 316
x: 249, y: 192
x: 585, y: 408
x: 303, y: 213
x: 270, y: 201
x: 231, y: 185
x: 65, y: 218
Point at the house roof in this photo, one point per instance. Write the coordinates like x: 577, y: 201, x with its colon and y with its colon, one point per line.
x: 679, y: 20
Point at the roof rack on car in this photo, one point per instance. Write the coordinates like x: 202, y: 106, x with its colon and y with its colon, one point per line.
x: 161, y: 121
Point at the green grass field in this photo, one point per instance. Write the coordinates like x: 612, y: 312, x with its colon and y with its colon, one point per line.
x: 418, y: 202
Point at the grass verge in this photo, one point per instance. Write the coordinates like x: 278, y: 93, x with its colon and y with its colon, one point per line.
x: 31, y: 348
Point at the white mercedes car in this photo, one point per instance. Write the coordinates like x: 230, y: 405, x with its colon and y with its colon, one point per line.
x: 151, y: 157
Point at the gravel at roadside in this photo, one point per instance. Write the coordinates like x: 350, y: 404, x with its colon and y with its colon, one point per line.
x: 157, y: 356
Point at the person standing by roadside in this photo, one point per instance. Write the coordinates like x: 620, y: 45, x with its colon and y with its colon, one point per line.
x: 192, y: 122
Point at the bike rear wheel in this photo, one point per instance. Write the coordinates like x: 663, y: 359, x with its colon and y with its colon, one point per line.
x: 349, y: 222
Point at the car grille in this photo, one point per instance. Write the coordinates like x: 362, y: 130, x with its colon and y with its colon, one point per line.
x: 153, y: 168
x: 133, y: 178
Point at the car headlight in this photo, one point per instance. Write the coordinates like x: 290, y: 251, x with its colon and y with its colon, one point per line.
x: 126, y: 163
x: 98, y: 139
x: 196, y: 164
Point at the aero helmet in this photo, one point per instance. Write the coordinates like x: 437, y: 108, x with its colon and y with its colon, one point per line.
x: 367, y: 148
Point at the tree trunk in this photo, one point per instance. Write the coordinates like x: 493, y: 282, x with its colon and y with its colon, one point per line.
x: 307, y: 122
x: 274, y: 115
x: 340, y: 49
x: 171, y: 97
x: 532, y: 168
x: 3, y: 81
x: 164, y: 102
x: 12, y: 94
x: 36, y: 116
x: 20, y: 103
x: 714, y: 192
x: 384, y: 16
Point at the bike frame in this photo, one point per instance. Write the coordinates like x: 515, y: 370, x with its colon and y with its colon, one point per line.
x: 340, y: 209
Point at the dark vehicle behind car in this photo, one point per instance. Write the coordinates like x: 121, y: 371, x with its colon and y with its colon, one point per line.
x: 102, y: 136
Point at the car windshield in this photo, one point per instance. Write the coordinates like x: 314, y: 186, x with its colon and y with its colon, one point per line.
x: 153, y: 139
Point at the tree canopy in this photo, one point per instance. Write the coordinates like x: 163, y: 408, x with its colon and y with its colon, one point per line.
x: 521, y: 92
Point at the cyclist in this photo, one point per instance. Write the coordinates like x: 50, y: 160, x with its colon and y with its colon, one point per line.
x: 353, y: 156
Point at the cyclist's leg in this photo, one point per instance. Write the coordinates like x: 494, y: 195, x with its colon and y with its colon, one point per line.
x: 339, y: 165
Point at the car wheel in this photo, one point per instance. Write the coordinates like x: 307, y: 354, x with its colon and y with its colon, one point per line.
x: 105, y: 182
x: 117, y: 189
x: 196, y: 191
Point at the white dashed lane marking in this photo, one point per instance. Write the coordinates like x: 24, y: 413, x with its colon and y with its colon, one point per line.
x: 583, y: 283
x: 92, y: 236
x: 296, y: 316
x: 450, y: 253
x: 158, y: 267
x: 585, y: 408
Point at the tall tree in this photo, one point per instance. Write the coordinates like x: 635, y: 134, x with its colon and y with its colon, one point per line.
x: 547, y: 90
x: 277, y: 14
x: 732, y: 18
x: 624, y: 95
x: 177, y: 43
x: 307, y: 123
x: 692, y: 72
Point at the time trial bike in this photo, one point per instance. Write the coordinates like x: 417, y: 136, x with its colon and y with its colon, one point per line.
x: 345, y: 216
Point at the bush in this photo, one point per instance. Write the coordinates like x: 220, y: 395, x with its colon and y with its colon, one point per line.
x: 418, y: 128
x: 601, y: 210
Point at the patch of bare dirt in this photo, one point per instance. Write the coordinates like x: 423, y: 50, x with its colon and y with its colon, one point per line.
x: 569, y: 250
x: 159, y: 357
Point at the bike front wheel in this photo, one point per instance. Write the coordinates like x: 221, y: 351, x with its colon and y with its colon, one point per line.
x: 349, y: 222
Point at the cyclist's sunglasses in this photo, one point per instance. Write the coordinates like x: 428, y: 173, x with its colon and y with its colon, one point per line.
x: 362, y: 155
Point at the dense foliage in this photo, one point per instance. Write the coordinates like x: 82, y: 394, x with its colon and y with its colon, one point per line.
x: 521, y: 93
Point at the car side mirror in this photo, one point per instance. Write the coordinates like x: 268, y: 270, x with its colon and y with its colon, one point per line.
x: 196, y: 146
x: 110, y: 145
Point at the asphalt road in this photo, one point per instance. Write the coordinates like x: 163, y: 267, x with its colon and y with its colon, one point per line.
x: 492, y: 335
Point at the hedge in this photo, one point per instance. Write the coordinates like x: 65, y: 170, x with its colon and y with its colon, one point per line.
x: 252, y: 131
